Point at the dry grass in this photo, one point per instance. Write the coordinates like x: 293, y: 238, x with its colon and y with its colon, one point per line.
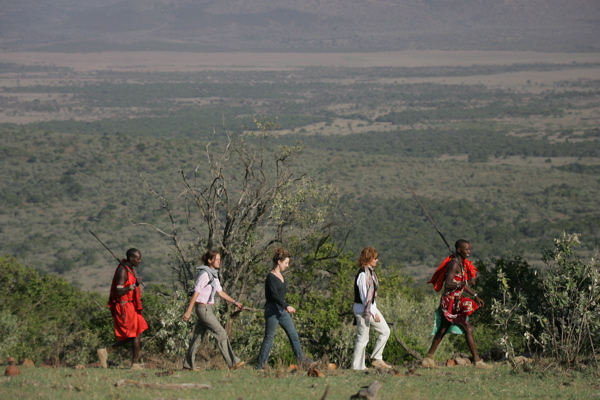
x: 83, y: 64
x: 454, y: 383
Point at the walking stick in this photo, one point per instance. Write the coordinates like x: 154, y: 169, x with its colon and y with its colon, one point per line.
x: 431, y: 219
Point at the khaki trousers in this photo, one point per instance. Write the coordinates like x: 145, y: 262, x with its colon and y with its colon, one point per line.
x: 208, y: 322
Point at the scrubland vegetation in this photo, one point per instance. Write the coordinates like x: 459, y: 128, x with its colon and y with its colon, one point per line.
x: 509, y: 170
x: 552, y: 314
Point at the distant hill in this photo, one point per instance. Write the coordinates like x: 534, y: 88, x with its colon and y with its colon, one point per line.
x: 307, y: 25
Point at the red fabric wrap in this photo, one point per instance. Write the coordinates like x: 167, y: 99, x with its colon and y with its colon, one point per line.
x: 439, y: 276
x: 126, y: 309
x: 455, y: 307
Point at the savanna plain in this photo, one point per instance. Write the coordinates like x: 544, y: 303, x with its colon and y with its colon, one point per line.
x: 502, y: 148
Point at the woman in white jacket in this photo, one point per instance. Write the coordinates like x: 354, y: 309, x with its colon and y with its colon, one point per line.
x: 366, y: 313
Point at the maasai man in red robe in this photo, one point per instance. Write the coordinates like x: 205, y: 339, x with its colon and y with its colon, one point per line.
x: 455, y: 275
x: 125, y: 303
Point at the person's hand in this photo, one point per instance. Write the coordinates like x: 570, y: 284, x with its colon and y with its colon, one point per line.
x: 238, y: 305
x: 479, y: 301
x: 138, y: 280
x: 187, y: 316
x: 291, y: 309
x: 376, y: 318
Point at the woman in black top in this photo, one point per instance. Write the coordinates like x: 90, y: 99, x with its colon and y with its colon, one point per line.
x: 277, y: 310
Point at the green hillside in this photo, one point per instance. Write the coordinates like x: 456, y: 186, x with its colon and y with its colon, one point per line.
x: 507, y: 167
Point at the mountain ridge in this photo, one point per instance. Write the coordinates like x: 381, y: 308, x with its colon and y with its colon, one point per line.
x: 313, y: 25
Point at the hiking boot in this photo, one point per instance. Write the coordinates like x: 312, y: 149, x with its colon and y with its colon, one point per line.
x: 237, y: 365
x: 428, y: 363
x: 137, y: 366
x: 103, y: 357
x: 482, y: 365
x: 190, y: 369
x: 381, y: 364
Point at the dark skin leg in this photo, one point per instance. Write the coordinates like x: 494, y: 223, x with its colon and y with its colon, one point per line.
x: 437, y: 338
x: 439, y: 335
x: 135, y: 344
x: 471, y: 340
x: 454, y: 269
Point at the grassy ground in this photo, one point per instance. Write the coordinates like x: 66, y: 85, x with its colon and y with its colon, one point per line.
x: 247, y: 384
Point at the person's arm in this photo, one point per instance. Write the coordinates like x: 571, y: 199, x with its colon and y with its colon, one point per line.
x: 228, y: 298
x: 362, y: 288
x: 200, y: 284
x: 478, y: 299
x: 453, y: 270
x: 188, y: 312
x: 121, y: 279
x: 362, y: 291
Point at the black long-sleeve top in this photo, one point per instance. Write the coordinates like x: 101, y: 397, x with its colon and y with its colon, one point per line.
x: 275, y: 291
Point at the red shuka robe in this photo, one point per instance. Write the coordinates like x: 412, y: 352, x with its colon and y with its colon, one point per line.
x: 126, y: 309
x: 455, y: 307
x: 439, y: 276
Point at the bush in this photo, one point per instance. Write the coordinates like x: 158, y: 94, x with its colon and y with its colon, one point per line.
x: 571, y: 327
x: 167, y: 332
x: 558, y: 311
x: 55, y: 320
x: 513, y: 292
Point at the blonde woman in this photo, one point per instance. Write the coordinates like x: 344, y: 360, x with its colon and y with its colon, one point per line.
x: 366, y: 313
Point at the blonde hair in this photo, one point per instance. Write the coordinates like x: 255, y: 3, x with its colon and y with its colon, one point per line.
x: 367, y: 255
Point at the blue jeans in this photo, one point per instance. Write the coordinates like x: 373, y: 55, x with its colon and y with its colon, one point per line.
x: 274, y: 317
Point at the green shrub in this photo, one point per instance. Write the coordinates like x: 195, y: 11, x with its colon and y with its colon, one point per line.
x: 513, y: 291
x: 571, y: 327
x: 55, y: 320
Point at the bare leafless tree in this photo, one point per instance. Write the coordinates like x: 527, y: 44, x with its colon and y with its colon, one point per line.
x: 245, y: 197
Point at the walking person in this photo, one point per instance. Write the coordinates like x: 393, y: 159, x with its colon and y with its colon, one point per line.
x: 203, y: 300
x: 455, y: 275
x: 125, y: 304
x: 366, y: 313
x: 277, y: 310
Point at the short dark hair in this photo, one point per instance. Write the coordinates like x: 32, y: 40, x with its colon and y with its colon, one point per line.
x: 131, y: 252
x: 209, y: 255
x: 459, y: 243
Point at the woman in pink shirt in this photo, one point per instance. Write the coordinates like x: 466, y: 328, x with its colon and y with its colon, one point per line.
x: 203, y: 299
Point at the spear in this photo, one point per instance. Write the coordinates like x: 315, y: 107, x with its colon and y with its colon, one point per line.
x: 105, y: 246
x: 109, y: 250
x: 431, y: 219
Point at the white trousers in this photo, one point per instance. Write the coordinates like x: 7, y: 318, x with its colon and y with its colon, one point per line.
x: 362, y: 339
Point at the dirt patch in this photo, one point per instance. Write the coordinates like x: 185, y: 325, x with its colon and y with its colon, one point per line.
x: 183, y: 61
